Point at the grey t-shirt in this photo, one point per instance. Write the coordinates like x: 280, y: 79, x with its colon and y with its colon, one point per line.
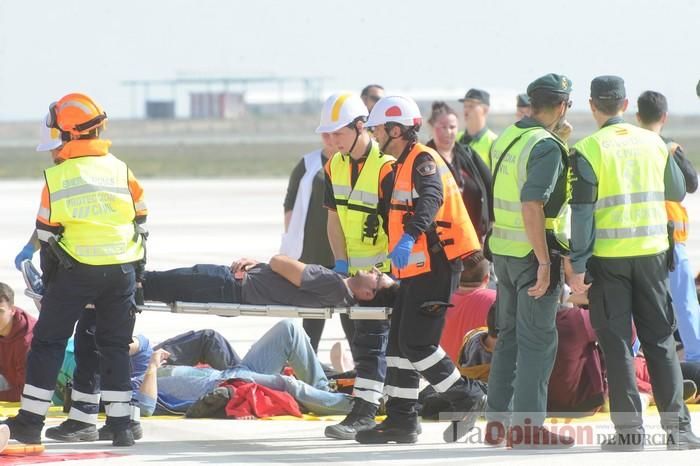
x: 320, y: 287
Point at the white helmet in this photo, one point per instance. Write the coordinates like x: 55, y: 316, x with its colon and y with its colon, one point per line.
x: 49, y: 138
x: 340, y: 110
x: 395, y: 109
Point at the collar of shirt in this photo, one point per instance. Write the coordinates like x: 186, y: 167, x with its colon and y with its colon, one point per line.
x: 616, y: 120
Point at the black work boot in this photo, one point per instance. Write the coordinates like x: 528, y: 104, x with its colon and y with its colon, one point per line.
x: 71, y: 430
x: 404, y: 430
x: 105, y: 432
x: 123, y: 438
x: 360, y: 418
x: 24, y: 432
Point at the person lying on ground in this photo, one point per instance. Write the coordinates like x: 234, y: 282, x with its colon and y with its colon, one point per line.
x: 283, y: 281
x: 284, y: 345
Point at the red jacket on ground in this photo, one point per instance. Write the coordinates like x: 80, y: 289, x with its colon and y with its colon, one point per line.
x: 250, y: 399
x: 13, y: 354
x: 468, y: 312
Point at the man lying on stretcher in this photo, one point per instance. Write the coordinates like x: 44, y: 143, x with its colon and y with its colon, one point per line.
x: 283, y: 281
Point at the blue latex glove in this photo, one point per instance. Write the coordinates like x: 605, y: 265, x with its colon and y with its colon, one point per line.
x: 399, y: 256
x: 25, y: 254
x: 341, y: 266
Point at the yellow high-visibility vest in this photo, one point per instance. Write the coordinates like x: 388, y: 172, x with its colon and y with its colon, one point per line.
x: 90, y: 198
x: 630, y: 215
x: 482, y: 146
x: 508, y: 237
x: 355, y: 204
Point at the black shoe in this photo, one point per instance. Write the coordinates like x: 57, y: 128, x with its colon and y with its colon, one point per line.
x: 682, y: 441
x: 390, y: 431
x: 461, y: 427
x: 23, y: 432
x: 624, y: 442
x: 71, y: 430
x: 105, y: 432
x: 211, y: 405
x: 360, y: 418
x: 123, y: 438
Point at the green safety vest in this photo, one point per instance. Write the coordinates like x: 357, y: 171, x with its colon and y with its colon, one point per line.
x: 355, y: 204
x: 630, y: 214
x: 481, y: 146
x: 90, y: 198
x: 508, y: 237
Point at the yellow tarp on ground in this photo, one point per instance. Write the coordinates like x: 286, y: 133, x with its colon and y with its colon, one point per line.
x: 10, y: 409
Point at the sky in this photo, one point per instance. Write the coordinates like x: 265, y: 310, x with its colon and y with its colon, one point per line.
x: 50, y: 48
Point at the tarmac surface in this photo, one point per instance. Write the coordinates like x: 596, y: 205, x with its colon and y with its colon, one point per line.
x: 216, y: 221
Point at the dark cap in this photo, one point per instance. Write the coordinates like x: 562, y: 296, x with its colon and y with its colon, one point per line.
x: 523, y: 101
x: 608, y: 88
x: 477, y: 94
x: 555, y: 83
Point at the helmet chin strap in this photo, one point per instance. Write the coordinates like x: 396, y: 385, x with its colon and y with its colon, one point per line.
x: 389, y: 138
x: 357, y: 136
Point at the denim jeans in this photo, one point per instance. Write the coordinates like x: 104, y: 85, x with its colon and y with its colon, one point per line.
x: 285, y: 343
x: 685, y: 303
x: 200, y: 346
x: 202, y: 283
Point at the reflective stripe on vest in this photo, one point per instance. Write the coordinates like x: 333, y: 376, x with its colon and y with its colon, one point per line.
x: 91, y: 200
x: 355, y: 204
x: 508, y: 237
x: 452, y: 223
x: 630, y: 215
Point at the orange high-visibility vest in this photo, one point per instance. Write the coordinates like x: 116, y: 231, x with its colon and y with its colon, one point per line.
x: 679, y: 216
x: 452, y: 223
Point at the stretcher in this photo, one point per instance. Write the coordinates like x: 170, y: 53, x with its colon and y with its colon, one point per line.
x: 236, y: 310
x: 251, y: 310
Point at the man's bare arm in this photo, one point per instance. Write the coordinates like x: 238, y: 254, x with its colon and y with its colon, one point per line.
x: 289, y: 268
x: 149, y: 386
